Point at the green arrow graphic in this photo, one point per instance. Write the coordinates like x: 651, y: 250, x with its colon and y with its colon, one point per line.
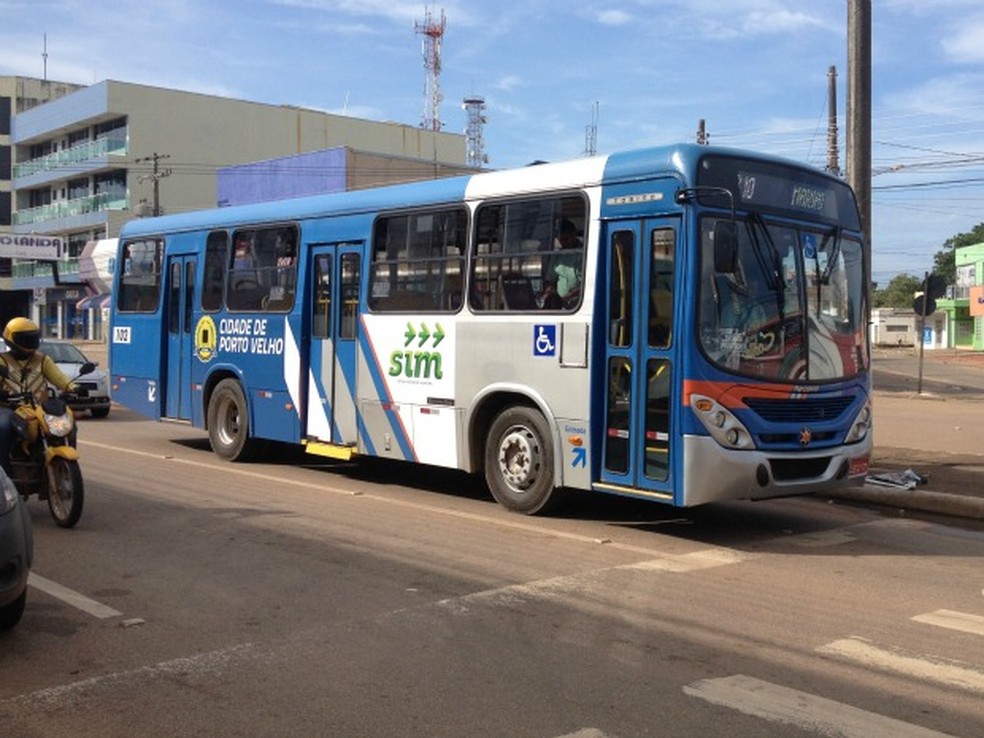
x: 438, y: 334
x: 424, y: 334
x: 409, y: 335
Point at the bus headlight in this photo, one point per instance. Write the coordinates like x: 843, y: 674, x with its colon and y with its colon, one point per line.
x: 721, y: 423
x: 861, y: 425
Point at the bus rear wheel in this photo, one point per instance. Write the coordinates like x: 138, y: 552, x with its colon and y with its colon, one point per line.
x: 519, y: 460
x: 228, y: 422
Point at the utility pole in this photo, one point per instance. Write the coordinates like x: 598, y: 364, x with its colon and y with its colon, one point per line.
x: 859, y: 117
x: 833, y: 156
x: 591, y: 132
x: 703, y: 137
x: 157, y: 175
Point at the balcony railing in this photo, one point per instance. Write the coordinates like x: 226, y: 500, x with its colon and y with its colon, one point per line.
x: 29, y: 269
x: 112, y: 143
x: 71, y: 208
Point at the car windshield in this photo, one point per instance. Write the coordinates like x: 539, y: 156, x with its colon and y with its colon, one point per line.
x: 792, y: 309
x: 63, y: 353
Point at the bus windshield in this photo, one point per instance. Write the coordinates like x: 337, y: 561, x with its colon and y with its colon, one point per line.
x: 789, y: 308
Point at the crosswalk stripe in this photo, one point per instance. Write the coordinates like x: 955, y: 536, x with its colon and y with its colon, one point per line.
x: 803, y: 710
x: 71, y: 597
x: 863, y: 652
x: 953, y: 620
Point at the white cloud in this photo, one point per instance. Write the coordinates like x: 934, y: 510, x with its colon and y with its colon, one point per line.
x: 508, y: 83
x: 966, y: 45
x: 614, y: 18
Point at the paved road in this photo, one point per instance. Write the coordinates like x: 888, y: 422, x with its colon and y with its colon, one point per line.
x: 198, y: 597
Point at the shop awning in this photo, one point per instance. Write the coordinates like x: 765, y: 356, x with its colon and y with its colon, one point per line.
x: 93, y: 302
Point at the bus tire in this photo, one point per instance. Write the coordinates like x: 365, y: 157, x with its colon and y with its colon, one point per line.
x: 519, y: 460
x: 228, y: 422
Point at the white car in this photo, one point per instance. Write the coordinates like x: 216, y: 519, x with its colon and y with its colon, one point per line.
x: 70, y: 359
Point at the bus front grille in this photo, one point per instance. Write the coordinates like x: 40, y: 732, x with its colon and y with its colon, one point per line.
x: 806, y: 410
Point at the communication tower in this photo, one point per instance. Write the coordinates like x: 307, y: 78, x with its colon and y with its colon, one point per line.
x: 475, y: 155
x: 433, y: 33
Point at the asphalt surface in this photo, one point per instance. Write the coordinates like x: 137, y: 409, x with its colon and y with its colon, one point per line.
x: 928, y: 413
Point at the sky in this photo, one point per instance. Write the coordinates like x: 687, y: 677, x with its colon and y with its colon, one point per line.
x: 643, y: 71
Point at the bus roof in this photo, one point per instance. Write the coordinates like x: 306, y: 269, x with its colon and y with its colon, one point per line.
x: 584, y: 172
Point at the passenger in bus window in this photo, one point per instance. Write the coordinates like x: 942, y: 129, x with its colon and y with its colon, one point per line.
x: 286, y: 250
x: 243, y: 258
x: 562, y: 269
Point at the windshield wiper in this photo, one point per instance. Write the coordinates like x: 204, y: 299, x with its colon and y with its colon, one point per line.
x: 834, y: 254
x: 774, y: 279
x: 772, y: 272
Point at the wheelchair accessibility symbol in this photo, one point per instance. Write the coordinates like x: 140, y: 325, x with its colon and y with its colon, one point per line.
x: 544, y: 340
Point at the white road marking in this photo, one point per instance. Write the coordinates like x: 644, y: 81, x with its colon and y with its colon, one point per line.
x: 930, y: 669
x: 204, y: 663
x: 954, y: 621
x: 695, y: 561
x: 71, y: 597
x: 564, y: 585
x: 808, y: 712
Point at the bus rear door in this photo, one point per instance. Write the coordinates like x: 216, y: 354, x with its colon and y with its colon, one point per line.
x: 640, y: 387
x: 331, y: 392
x: 180, y: 335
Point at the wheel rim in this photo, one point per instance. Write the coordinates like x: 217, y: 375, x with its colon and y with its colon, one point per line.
x: 229, y: 425
x: 519, y: 458
x: 60, y: 492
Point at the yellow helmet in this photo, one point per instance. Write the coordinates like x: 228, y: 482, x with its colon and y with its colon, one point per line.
x: 22, y: 336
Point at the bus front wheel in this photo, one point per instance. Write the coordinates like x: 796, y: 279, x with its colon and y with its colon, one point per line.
x: 519, y: 460
x: 228, y: 422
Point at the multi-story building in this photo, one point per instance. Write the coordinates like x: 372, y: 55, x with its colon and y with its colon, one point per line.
x: 86, y: 162
x: 17, y: 95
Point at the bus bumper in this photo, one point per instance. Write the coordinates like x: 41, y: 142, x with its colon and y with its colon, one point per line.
x: 712, y: 473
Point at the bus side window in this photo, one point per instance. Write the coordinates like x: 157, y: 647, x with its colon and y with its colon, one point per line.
x: 661, y: 276
x: 262, y: 271
x: 528, y: 255
x: 140, y: 276
x: 321, y: 327
x: 418, y: 261
x: 216, y: 254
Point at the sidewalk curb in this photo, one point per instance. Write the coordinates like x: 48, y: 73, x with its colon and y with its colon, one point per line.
x: 940, y: 503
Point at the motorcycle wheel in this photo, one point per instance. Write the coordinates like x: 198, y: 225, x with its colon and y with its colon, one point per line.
x: 65, y: 492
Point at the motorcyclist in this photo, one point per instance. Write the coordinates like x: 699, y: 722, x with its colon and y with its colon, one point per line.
x: 27, y: 370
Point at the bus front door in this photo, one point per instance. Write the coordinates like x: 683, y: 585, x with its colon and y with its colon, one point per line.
x: 180, y: 336
x: 331, y: 392
x: 640, y: 387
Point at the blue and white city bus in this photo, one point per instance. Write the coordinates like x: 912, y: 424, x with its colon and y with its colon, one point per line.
x: 683, y: 324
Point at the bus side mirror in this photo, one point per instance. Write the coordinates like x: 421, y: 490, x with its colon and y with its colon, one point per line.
x: 725, y: 247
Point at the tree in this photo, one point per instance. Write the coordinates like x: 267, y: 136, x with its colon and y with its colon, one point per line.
x: 945, y: 261
x: 899, y: 292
